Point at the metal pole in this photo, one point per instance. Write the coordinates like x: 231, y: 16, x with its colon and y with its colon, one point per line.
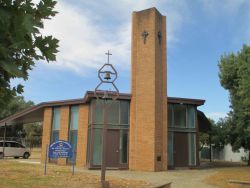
x: 73, y: 166
x: 104, y: 135
x: 210, y: 144
x: 4, y: 138
x: 45, y: 162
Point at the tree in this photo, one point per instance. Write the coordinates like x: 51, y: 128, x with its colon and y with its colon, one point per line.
x: 235, y: 77
x: 31, y: 132
x: 217, y: 136
x: 15, y: 105
x: 21, y: 42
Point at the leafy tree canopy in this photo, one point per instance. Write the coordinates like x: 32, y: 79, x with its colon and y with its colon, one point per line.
x: 15, y: 105
x: 235, y: 77
x: 217, y: 136
x: 21, y: 42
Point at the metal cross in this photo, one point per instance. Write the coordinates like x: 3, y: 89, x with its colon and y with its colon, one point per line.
x: 108, y: 54
x: 159, y: 37
x: 144, y: 34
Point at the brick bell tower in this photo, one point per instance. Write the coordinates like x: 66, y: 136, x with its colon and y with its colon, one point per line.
x: 148, y: 110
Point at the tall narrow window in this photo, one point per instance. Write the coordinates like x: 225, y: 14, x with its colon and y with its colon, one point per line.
x: 123, y: 146
x: 113, y: 112
x: 170, y: 148
x: 179, y: 115
x: 192, y: 149
x: 170, y: 115
x: 74, y: 114
x: 124, y: 112
x: 191, y: 116
x: 55, y: 125
x: 98, y: 112
x: 97, y: 153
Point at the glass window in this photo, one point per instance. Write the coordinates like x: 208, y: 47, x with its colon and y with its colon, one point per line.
x: 170, y: 115
x: 97, y: 149
x: 191, y: 116
x: 124, y: 112
x: 89, y: 145
x: 1, y: 144
x: 192, y: 148
x: 124, y: 146
x: 179, y: 115
x: 74, y: 117
x: 19, y: 145
x: 56, y: 119
x: 74, y: 114
x: 170, y: 148
x: 113, y: 112
x: 54, y: 136
x: 98, y: 111
x: 8, y: 144
x: 13, y: 144
x: 73, y: 142
x: 55, y: 125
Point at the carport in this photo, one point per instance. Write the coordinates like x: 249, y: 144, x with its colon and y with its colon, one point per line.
x: 33, y: 114
x: 30, y: 115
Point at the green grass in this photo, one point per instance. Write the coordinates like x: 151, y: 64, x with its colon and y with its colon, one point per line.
x: 14, y: 174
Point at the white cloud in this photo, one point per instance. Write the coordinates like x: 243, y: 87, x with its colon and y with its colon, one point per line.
x: 216, y: 115
x: 215, y: 7
x: 87, y: 30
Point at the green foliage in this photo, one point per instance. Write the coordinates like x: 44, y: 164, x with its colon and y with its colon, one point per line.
x: 217, y: 136
x: 21, y: 42
x: 219, y: 133
x: 33, y: 134
x: 235, y: 77
x: 15, y: 105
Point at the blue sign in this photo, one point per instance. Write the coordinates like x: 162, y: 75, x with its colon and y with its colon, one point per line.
x: 60, y: 149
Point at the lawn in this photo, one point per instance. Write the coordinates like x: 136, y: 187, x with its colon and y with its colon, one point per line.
x: 22, y: 175
x: 224, y: 173
x: 15, y: 174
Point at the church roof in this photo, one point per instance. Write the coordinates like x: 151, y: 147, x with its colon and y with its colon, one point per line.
x: 35, y: 113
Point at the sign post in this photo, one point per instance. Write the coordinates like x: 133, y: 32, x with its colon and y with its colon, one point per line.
x: 4, y: 139
x: 73, y: 164
x: 45, y: 162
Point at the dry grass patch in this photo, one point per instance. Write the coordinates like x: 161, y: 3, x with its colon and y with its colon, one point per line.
x: 223, y: 175
x: 14, y: 174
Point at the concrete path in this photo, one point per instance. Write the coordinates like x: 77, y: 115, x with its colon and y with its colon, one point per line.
x: 179, y: 178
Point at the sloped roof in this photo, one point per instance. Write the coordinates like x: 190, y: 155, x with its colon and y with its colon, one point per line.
x: 35, y: 113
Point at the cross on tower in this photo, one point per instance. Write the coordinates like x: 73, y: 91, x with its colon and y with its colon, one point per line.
x: 144, y: 35
x: 108, y: 54
x: 159, y: 36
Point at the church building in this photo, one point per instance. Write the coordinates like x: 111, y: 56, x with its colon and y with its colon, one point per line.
x: 146, y: 129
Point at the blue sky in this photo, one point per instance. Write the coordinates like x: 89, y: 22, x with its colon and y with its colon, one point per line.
x: 198, y: 33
